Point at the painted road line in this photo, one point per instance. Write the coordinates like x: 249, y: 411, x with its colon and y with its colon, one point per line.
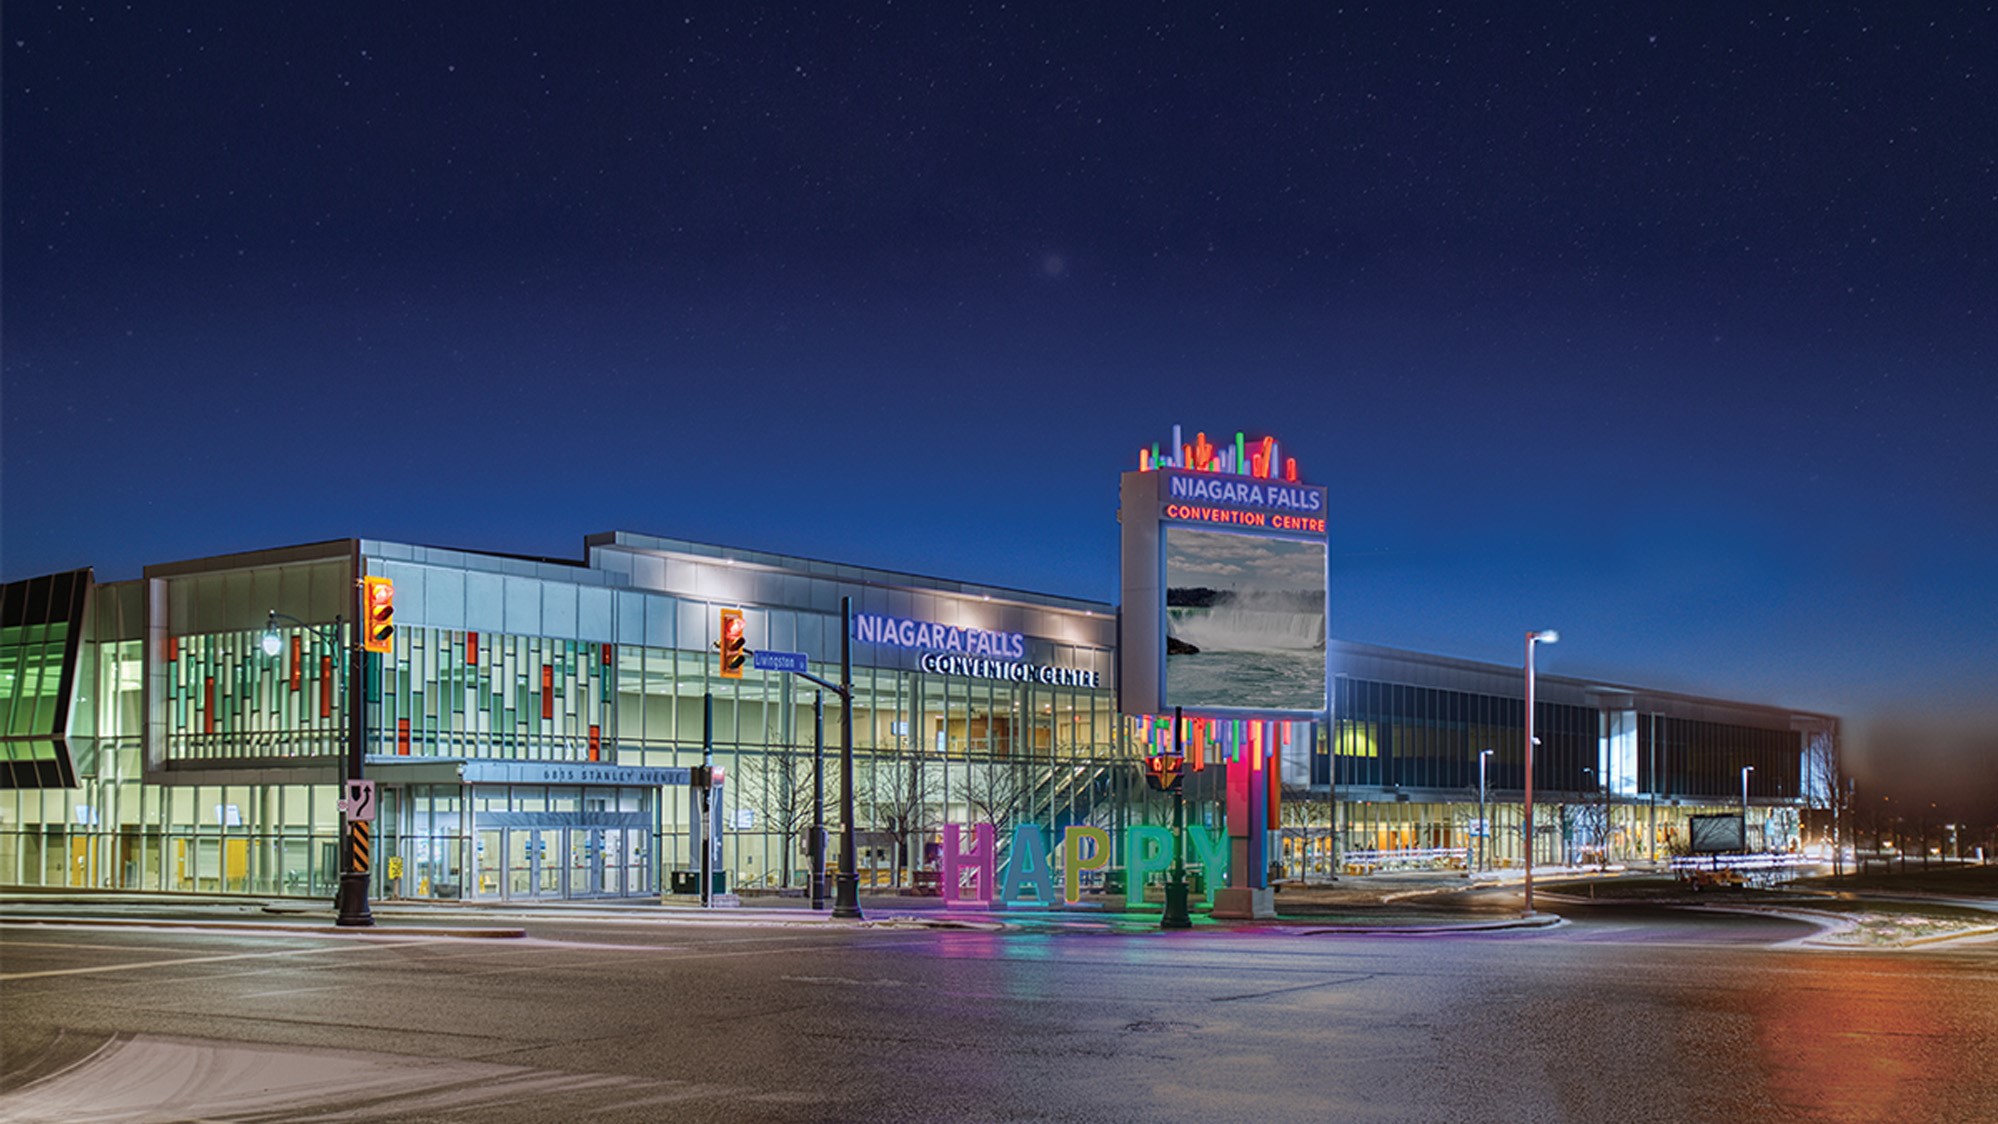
x: 135, y: 966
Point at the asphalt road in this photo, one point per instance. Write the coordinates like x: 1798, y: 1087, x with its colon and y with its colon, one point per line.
x: 1625, y: 1014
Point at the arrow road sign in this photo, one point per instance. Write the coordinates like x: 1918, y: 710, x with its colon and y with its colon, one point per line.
x: 360, y: 802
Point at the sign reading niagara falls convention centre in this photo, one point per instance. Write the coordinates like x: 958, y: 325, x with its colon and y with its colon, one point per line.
x: 1250, y: 504
x: 958, y: 650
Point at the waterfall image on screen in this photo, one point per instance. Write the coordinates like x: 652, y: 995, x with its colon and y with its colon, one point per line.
x: 1245, y: 621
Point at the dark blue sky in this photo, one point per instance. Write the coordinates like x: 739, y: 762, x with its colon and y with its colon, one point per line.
x: 1673, y: 330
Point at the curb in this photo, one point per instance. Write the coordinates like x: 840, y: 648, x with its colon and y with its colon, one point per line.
x: 260, y: 927
x: 1941, y: 938
x: 1832, y: 925
x: 1537, y: 921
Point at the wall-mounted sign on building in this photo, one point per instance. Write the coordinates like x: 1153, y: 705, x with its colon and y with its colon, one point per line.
x: 938, y: 663
x: 925, y: 636
x: 976, y: 653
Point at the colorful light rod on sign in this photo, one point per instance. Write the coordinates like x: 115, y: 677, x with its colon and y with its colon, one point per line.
x: 1217, y: 740
x: 1259, y: 459
x: 923, y: 636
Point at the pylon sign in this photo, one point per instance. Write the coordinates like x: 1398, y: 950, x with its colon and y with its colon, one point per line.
x: 378, y: 613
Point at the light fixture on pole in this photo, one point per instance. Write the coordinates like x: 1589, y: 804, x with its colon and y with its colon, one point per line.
x: 1484, y: 824
x: 1544, y: 636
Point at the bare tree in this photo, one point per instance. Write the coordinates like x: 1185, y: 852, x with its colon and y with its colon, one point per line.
x: 995, y: 793
x: 900, y: 792
x: 782, y: 789
x: 1585, y: 832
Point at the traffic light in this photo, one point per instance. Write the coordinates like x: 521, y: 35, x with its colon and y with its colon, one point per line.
x: 1162, y: 773
x: 378, y: 609
x: 707, y: 776
x: 733, y: 644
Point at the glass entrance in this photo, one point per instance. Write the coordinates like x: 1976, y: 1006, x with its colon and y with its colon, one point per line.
x: 595, y: 857
x: 539, y: 843
x: 489, y: 863
x: 533, y: 863
x: 548, y: 851
x: 583, y: 880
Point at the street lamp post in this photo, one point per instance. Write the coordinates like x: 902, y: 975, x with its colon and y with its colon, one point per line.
x: 1745, y: 770
x: 1175, y: 915
x: 351, y: 900
x: 846, y: 898
x: 1484, y: 824
x: 1544, y: 636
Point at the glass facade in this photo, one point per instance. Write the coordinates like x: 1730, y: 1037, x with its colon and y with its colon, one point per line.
x: 228, y: 700
x: 41, y: 624
x: 1614, y: 782
x: 525, y: 724
x: 458, y: 694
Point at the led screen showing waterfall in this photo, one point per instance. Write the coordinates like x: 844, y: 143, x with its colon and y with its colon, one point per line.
x: 1245, y: 621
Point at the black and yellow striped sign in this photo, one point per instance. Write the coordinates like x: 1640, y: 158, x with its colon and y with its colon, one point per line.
x: 360, y: 844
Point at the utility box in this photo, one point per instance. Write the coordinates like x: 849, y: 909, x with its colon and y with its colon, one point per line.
x: 688, y: 882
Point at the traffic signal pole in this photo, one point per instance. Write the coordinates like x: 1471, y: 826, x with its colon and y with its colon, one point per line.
x: 846, y: 892
x: 351, y: 902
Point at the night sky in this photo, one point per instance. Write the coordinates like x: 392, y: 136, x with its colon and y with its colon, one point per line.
x: 1674, y: 330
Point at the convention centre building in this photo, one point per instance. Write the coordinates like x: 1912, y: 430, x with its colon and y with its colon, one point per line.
x: 533, y: 728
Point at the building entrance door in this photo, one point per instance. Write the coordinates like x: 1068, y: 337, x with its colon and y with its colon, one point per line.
x: 608, y: 859
x: 489, y: 863
x: 595, y: 861
x: 533, y: 863
x: 536, y: 843
x: 584, y: 843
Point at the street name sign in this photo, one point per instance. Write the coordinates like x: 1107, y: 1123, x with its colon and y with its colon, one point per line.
x: 779, y: 661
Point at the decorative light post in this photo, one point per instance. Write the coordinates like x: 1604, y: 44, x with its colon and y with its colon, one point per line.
x: 351, y: 900
x: 1484, y: 824
x: 1544, y: 636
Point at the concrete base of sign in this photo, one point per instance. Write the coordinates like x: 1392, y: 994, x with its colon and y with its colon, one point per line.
x: 1243, y: 903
